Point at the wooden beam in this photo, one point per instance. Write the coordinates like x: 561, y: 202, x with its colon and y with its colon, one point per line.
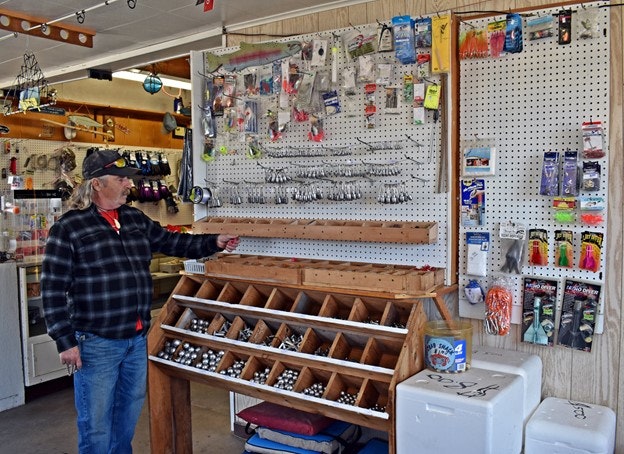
x: 18, y: 22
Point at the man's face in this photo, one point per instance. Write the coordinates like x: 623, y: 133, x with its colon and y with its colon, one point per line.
x: 110, y: 191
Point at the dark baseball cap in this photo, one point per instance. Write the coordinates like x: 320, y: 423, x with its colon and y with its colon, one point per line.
x: 100, y: 162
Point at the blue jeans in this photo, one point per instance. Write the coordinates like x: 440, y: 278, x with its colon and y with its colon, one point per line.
x: 109, y: 392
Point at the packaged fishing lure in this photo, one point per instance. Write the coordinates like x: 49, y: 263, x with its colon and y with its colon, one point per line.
x: 513, y: 34
x: 404, y: 45
x: 578, y: 314
x: 549, y: 185
x: 539, y: 306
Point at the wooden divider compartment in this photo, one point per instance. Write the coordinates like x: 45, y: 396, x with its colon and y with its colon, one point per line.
x: 278, y: 368
x: 280, y: 300
x: 309, y: 303
x: 341, y: 383
x: 230, y: 293
x: 228, y: 361
x: 336, y: 306
x: 382, y: 352
x: 256, y: 365
x: 262, y: 334
x: 184, y: 321
x: 315, y: 342
x: 367, y: 311
x: 373, y: 396
x: 396, y: 314
x: 210, y: 290
x: 309, y: 377
x: 346, y: 348
x: 256, y: 296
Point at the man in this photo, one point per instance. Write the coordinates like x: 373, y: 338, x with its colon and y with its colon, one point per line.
x: 96, y: 288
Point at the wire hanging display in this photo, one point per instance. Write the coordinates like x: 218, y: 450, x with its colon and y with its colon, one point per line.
x: 29, y: 88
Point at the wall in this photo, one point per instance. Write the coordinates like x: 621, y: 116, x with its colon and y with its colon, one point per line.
x: 593, y: 377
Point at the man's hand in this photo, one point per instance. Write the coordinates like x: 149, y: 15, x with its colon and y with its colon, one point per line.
x: 71, y: 358
x: 228, y: 242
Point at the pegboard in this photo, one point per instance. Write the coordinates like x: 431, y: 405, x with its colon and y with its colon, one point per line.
x: 526, y: 104
x: 345, y: 145
x: 32, y: 158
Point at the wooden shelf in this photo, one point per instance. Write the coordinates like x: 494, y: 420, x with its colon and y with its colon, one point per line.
x: 317, y: 229
x: 352, y: 276
x: 371, y: 343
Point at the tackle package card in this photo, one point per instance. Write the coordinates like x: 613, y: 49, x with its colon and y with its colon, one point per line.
x: 578, y: 314
x: 539, y: 306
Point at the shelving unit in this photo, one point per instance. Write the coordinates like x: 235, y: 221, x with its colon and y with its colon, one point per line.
x: 40, y: 357
x: 319, y: 229
x: 370, y: 342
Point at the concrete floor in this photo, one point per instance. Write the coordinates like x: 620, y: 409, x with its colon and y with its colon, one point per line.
x: 47, y: 424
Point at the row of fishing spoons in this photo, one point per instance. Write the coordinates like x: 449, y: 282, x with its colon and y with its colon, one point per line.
x: 345, y: 191
x: 393, y: 194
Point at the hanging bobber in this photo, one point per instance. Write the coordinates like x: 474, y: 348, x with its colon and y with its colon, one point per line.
x: 474, y: 292
x: 152, y: 84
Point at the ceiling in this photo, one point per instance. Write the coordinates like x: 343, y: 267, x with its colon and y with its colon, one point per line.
x: 125, y: 37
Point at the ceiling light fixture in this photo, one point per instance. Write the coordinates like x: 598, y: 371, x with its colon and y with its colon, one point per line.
x: 138, y: 76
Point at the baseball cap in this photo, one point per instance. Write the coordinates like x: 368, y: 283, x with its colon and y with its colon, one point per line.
x: 100, y: 162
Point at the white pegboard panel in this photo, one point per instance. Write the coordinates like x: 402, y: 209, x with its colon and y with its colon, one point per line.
x: 530, y: 103
x: 342, y: 131
x: 37, y: 152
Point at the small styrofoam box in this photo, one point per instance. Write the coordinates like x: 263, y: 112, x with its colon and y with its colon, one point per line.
x: 474, y: 412
x: 562, y: 426
x: 528, y: 366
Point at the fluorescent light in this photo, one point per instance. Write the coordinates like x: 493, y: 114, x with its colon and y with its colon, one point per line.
x: 138, y: 76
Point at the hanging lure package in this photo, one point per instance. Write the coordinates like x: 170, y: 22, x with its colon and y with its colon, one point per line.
x: 565, y: 26
x: 538, y: 247
x: 370, y: 108
x: 385, y: 38
x: 570, y: 178
x: 540, y: 27
x: 578, y: 314
x: 564, y: 252
x: 472, y: 202
x: 496, y: 37
x: 587, y: 24
x: 593, y: 140
x: 385, y: 74
x: 366, y: 69
x: 513, y: 238
x: 539, y: 305
x: 592, y: 208
x: 478, y: 247
x: 565, y: 209
x: 404, y: 45
x: 419, y: 112
x: 591, y: 176
x: 498, y: 304
x: 513, y: 34
x: 359, y: 42
x: 473, y: 43
x: 391, y: 105
x: 422, y: 32
x: 331, y: 102
x: 591, y: 251
x: 549, y: 185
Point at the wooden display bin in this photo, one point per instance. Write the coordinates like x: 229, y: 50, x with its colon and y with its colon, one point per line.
x: 356, y: 363
x: 319, y: 229
x: 326, y: 273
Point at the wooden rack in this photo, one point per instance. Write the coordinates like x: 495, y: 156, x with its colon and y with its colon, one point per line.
x: 317, y: 229
x: 372, y: 340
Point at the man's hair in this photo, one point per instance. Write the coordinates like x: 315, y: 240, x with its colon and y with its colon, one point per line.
x: 81, y: 196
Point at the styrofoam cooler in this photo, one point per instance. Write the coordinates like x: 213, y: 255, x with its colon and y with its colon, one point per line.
x: 473, y: 412
x: 528, y: 366
x: 562, y: 426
